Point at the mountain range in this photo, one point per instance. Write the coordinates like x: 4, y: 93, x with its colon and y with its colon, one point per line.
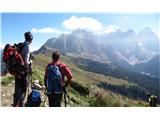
x: 135, y: 52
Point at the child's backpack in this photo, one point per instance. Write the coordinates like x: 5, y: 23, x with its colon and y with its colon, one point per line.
x: 54, y: 79
x: 13, y: 59
x: 34, y: 99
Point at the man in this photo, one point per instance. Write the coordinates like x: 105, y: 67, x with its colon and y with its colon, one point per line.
x: 54, y: 80
x: 152, y: 99
x: 21, y: 79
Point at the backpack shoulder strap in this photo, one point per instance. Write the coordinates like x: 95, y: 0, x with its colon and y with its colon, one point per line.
x: 20, y: 47
x: 59, y: 66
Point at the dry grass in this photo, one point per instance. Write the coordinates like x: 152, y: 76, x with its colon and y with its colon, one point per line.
x: 105, y: 98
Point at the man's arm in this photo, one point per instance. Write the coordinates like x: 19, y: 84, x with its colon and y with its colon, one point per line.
x: 45, y: 77
x: 68, y: 74
x: 26, y: 55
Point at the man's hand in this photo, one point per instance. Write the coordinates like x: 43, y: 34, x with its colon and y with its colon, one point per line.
x: 31, y: 61
x: 64, y: 90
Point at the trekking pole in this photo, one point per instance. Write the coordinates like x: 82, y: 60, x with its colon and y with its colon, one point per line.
x: 45, y: 96
x: 45, y: 99
x: 65, y: 94
x: 29, y: 77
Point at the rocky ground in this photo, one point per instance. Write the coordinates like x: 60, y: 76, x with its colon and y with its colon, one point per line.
x: 7, y: 95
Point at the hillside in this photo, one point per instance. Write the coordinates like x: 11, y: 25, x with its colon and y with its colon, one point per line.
x: 150, y: 68
x: 150, y: 84
x: 87, y: 88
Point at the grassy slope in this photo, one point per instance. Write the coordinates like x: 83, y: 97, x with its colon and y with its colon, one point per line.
x: 87, y: 81
x: 84, y: 90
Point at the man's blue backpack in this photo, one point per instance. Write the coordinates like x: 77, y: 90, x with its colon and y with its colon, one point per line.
x: 34, y: 99
x: 54, y: 79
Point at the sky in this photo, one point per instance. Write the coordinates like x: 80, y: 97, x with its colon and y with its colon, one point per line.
x: 48, y: 25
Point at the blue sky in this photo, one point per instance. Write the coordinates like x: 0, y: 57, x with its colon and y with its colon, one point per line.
x: 47, y: 25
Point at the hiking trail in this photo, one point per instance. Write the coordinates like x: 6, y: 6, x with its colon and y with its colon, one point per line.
x: 7, y: 95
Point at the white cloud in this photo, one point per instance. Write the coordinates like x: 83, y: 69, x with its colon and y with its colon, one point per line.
x: 66, y: 32
x: 1, y: 46
x: 82, y: 23
x: 110, y: 28
x: 46, y: 30
x: 139, y: 43
x: 34, y: 30
x: 88, y: 23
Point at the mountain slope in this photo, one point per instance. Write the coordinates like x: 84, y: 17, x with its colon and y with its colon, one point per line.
x: 89, y: 81
x: 86, y: 88
x: 150, y: 68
